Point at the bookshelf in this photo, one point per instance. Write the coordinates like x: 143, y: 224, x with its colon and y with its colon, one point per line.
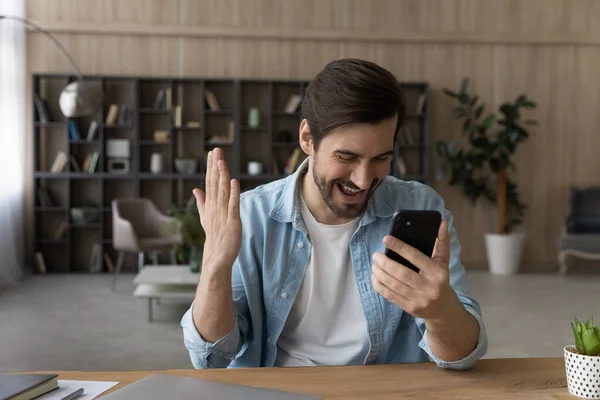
x: 190, y: 117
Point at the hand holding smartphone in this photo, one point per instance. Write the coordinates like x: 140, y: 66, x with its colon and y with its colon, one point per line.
x: 417, y: 228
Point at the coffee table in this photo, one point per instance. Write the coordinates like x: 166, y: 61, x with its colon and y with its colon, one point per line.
x: 173, y: 282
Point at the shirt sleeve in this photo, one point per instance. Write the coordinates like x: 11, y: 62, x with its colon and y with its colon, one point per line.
x: 468, y: 361
x: 458, y: 282
x: 205, y: 354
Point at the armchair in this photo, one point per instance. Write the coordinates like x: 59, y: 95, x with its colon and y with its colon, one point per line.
x: 139, y: 227
x: 581, y: 233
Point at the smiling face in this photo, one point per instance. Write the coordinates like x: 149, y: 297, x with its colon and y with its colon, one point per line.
x: 346, y: 168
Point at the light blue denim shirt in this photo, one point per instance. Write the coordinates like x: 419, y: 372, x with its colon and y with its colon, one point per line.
x: 271, y: 264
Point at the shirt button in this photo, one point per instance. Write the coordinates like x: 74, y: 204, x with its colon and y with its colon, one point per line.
x: 284, y: 295
x: 300, y: 244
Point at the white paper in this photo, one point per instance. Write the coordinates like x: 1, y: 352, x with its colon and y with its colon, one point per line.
x: 91, y: 389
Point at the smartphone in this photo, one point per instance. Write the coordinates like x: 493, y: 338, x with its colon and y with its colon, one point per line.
x: 419, y: 229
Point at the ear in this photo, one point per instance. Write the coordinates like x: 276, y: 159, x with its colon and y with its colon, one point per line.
x: 306, y: 142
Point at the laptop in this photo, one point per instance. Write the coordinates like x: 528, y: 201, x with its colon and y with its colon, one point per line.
x: 160, y: 387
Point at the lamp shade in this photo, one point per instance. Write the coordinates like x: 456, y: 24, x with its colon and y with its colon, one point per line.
x: 80, y: 98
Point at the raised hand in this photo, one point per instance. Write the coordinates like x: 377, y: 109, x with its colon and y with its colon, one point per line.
x: 219, y: 209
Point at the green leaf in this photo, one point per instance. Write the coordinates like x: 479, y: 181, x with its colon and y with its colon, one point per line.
x: 464, y: 85
x: 474, y: 100
x: 450, y: 93
x: 577, y: 334
x: 528, y: 104
x: 479, y: 111
x: 489, y: 121
x: 591, y: 342
x: 467, y: 125
x: 589, y: 324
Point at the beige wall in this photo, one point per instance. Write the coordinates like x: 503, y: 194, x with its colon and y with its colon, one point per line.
x: 549, y: 49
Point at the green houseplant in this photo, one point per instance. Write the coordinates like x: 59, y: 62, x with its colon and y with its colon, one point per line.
x: 582, y: 360
x: 187, y: 223
x: 481, y: 164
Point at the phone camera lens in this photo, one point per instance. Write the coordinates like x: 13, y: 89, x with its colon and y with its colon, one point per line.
x: 407, y: 223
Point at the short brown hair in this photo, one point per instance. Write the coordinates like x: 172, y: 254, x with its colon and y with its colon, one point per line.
x: 351, y: 90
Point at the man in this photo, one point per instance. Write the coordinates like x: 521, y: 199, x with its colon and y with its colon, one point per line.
x: 294, y: 271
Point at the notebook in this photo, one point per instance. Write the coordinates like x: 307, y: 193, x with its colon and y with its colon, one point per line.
x: 160, y: 387
x: 26, y: 386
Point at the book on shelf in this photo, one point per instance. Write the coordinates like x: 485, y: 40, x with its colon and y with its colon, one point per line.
x: 293, y: 161
x: 41, y: 107
x: 211, y: 99
x: 160, y: 99
x: 60, y: 162
x: 90, y: 163
x: 45, y: 199
x: 177, y: 116
x: 292, y: 104
x: 40, y: 262
x: 61, y: 230
x: 112, y: 115
x: 124, y: 115
x: 91, y: 134
x: 74, y: 129
x: 74, y: 165
x: 168, y: 99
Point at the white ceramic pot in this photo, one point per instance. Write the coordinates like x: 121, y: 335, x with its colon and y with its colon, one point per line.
x: 255, y: 168
x: 583, y: 374
x: 156, y: 163
x: 504, y: 252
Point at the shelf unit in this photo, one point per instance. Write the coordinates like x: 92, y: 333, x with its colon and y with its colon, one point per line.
x: 272, y: 142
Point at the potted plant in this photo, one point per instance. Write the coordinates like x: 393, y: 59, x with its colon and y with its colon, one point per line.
x: 480, y: 168
x: 187, y: 223
x: 186, y: 164
x: 582, y: 360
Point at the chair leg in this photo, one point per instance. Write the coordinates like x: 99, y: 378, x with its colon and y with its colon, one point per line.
x: 140, y: 261
x: 117, y: 270
x: 562, y: 261
x: 173, y: 257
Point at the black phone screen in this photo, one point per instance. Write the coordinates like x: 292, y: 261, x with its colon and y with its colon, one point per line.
x: 417, y: 228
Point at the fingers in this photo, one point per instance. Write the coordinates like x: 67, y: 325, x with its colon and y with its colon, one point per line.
x: 213, y: 188
x: 200, y: 201
x: 441, y: 251
x: 396, y: 271
x: 389, y: 294
x: 223, y: 191
x: 414, y: 256
x: 396, y: 285
x: 207, y: 180
x: 234, y: 199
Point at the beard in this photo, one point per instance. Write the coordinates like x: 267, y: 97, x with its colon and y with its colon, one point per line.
x: 343, y: 210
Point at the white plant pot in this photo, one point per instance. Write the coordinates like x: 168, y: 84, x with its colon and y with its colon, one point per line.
x: 583, y: 374
x: 504, y: 252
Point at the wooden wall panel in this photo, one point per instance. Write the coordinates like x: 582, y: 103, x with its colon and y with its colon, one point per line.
x: 548, y: 49
x: 93, y: 11
x: 112, y: 55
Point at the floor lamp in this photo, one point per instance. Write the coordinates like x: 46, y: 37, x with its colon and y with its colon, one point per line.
x: 78, y: 98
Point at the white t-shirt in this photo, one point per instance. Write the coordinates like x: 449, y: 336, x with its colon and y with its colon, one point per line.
x: 326, y: 325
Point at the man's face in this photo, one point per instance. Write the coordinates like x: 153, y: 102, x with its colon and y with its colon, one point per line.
x: 350, y: 163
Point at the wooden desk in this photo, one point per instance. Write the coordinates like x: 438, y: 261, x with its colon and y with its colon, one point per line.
x: 541, y: 378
